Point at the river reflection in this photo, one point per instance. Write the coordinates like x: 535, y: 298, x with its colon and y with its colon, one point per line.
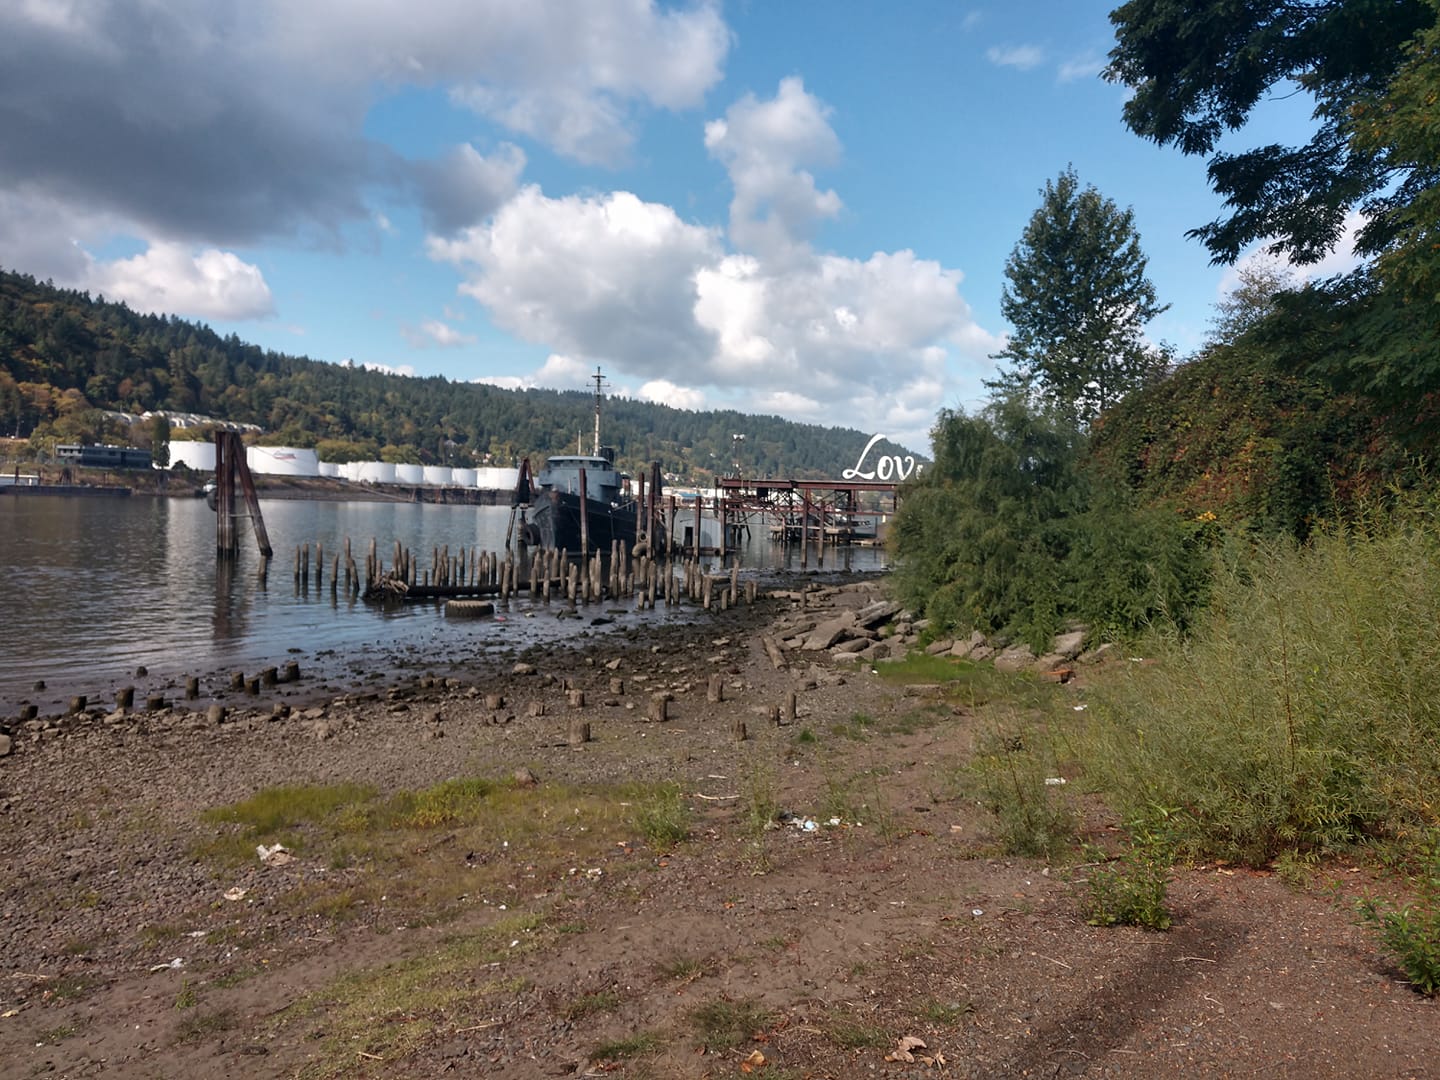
x: 91, y: 589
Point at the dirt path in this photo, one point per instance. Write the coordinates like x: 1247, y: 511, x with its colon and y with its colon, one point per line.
x: 560, y: 937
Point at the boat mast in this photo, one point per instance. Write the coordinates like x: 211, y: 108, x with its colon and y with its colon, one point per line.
x: 599, y: 386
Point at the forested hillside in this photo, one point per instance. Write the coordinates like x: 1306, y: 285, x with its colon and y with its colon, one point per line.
x: 65, y: 358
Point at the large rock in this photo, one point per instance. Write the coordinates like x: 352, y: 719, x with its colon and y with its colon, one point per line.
x: 936, y: 648
x: 828, y: 633
x: 6, y: 745
x: 966, y: 649
x: 1015, y: 658
x: 873, y: 615
x: 1068, y: 645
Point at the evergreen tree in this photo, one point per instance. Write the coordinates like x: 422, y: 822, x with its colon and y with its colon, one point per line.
x: 1078, y: 299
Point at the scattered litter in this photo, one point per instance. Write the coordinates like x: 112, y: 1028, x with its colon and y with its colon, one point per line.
x: 236, y: 893
x: 594, y: 873
x: 977, y: 912
x: 1055, y: 781
x: 808, y: 824
x: 756, y: 1060
x: 274, y: 854
x: 173, y: 965
x: 833, y: 821
x: 9, y: 1013
x: 197, y: 933
x: 1078, y: 708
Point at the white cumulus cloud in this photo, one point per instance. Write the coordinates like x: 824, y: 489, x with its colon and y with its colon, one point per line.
x: 665, y: 392
x: 434, y: 332
x: 755, y: 318
x: 211, y: 284
x: 1022, y: 57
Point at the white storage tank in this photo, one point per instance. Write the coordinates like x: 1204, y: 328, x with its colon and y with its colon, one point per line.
x: 351, y: 471
x: 330, y: 469
x: 282, y: 461
x: 497, y: 479
x: 439, y: 475
x: 376, y: 472
x: 409, y: 474
x: 199, y: 456
x: 463, y: 477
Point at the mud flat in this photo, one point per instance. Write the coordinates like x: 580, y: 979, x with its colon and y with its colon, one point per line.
x: 724, y: 847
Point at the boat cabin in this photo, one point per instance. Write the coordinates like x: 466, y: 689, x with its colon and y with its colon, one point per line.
x: 602, y: 479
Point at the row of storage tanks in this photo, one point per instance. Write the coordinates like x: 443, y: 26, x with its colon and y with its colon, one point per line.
x: 297, y: 461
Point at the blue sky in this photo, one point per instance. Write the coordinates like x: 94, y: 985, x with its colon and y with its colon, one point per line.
x: 788, y: 207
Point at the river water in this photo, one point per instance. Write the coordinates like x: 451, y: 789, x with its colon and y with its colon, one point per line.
x: 91, y: 589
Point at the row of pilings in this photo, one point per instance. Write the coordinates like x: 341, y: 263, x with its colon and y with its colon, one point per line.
x: 545, y: 575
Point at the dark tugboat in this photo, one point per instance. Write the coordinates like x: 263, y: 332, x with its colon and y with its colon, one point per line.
x: 578, y: 502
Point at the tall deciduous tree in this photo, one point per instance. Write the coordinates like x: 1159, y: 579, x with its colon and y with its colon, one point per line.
x: 1078, y: 299
x: 1372, y: 70
x: 1198, y: 69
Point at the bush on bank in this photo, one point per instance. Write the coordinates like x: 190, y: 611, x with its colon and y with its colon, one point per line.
x: 1010, y: 533
x: 1299, y: 714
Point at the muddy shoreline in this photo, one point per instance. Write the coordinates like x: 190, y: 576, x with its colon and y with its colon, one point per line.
x: 837, y: 890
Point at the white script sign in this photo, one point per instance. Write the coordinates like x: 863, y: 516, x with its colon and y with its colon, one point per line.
x: 887, y: 467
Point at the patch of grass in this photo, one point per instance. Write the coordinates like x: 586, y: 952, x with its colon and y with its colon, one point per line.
x: 271, y: 810
x: 641, y: 1044
x: 68, y: 988
x: 203, y: 1025
x: 389, y: 1011
x: 448, y: 803
x: 592, y: 1004
x: 946, y: 1013
x: 806, y: 737
x: 686, y: 969
x: 1008, y: 776
x: 857, y: 727
x: 662, y: 815
x: 51, y: 1036
x: 236, y: 977
x: 82, y: 945
x: 726, y: 1023
x: 851, y: 1034
x: 160, y: 933
x: 760, y: 803
x: 188, y: 997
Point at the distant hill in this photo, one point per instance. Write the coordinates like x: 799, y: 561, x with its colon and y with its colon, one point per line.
x: 66, y: 359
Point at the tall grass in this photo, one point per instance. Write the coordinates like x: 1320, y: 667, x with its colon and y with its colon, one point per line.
x: 1302, y: 713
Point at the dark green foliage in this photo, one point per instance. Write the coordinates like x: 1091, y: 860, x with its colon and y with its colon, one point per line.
x: 1133, y: 890
x: 1235, y: 438
x: 1198, y: 70
x: 1299, y: 714
x: 1008, y: 533
x: 64, y: 357
x: 1412, y: 933
x: 1078, y: 299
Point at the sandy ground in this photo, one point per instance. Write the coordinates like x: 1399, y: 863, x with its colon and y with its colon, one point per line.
x: 563, y: 941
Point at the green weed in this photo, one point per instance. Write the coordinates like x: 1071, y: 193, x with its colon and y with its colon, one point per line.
x: 662, y: 815
x: 641, y: 1044
x: 1412, y: 933
x: 725, y: 1023
x: 1133, y: 890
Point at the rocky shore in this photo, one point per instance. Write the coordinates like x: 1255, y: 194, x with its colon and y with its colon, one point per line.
x: 838, y: 891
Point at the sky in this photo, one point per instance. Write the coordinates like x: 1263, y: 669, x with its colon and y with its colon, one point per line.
x: 777, y: 206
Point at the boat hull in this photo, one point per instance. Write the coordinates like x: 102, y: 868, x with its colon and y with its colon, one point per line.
x: 554, y: 522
